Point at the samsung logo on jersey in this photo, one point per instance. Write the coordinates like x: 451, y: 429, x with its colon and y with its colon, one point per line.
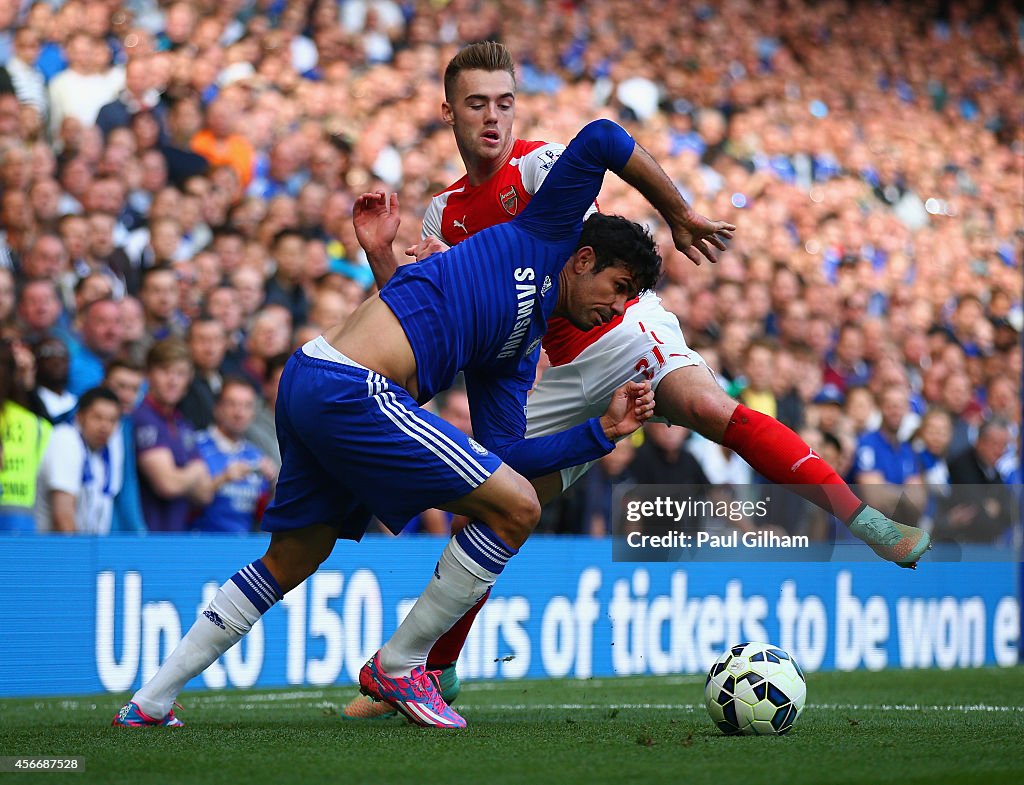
x: 526, y: 296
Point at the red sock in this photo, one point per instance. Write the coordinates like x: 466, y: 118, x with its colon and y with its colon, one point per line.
x: 448, y: 647
x: 779, y: 455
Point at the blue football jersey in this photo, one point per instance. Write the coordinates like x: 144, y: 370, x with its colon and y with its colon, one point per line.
x: 482, y: 307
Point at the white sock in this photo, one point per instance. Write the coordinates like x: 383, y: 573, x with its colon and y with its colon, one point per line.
x: 238, y: 605
x: 469, y: 566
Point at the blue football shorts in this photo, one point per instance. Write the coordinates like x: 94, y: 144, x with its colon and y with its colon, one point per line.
x: 354, y: 444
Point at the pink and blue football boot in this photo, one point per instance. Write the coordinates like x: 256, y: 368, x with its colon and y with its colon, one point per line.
x: 131, y: 716
x: 416, y: 695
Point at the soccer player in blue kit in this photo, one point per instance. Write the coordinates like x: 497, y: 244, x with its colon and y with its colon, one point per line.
x: 355, y: 442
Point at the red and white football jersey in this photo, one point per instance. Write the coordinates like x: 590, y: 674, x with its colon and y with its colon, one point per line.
x: 462, y: 210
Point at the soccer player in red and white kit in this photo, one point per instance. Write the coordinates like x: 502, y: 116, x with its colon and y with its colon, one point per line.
x: 502, y: 173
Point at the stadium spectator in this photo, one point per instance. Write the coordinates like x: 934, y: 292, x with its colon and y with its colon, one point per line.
x: 269, y: 336
x: 597, y: 490
x: 173, y: 478
x: 329, y: 307
x: 287, y: 286
x: 978, y: 506
x: 224, y: 305
x: 207, y: 345
x: 124, y: 378
x: 663, y: 458
x: 881, y: 456
x: 720, y: 465
x: 99, y: 341
x: 861, y: 411
x: 81, y: 470
x: 90, y: 81
x: 89, y: 288
x: 138, y: 95
x: 958, y: 399
x: 759, y: 371
x: 249, y: 283
x: 28, y: 81
x: 931, y: 446
x: 285, y: 174
x: 846, y: 366
x: 16, y: 228
x: 160, y: 298
x: 39, y: 308
x: 23, y: 440
x: 220, y: 144
x: 827, y: 410
x: 263, y: 431
x: 52, y: 372
x: 104, y: 257
x: 242, y: 475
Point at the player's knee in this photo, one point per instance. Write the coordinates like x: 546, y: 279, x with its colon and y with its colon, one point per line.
x: 707, y: 411
x: 526, y: 513
x: 292, y: 559
x: 518, y: 517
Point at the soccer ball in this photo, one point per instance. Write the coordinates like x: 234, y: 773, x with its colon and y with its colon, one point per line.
x: 755, y: 689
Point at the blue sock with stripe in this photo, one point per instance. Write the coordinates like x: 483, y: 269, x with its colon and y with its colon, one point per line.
x: 258, y: 585
x: 484, y: 548
x: 469, y: 566
x: 236, y: 606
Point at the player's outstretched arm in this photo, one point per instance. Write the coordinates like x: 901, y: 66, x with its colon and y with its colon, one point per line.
x: 575, y: 180
x: 376, y: 218
x: 693, y: 234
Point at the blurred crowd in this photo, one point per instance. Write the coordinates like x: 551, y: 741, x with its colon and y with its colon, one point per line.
x: 176, y: 184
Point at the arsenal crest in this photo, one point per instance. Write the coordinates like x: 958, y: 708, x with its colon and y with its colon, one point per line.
x: 510, y: 200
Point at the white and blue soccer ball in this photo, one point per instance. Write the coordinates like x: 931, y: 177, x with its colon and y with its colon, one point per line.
x: 755, y: 689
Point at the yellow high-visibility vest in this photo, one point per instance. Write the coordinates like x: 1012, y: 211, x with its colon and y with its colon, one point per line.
x: 23, y: 437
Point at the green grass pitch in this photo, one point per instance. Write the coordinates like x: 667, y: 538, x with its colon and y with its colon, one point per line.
x: 901, y: 727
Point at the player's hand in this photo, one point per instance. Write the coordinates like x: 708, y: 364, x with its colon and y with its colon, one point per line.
x: 698, y: 236
x: 428, y: 246
x: 630, y: 407
x: 376, y: 218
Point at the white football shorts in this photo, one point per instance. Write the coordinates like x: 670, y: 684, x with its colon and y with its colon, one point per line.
x: 648, y: 344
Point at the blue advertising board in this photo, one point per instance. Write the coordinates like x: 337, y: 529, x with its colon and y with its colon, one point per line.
x: 87, y: 615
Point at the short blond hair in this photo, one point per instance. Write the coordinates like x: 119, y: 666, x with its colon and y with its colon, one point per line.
x: 482, y: 56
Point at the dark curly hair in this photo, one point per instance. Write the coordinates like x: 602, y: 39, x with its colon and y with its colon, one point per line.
x: 624, y: 243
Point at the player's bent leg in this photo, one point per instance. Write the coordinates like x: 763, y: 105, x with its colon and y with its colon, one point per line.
x: 291, y: 558
x: 504, y: 510
x: 441, y: 660
x: 688, y: 397
x: 506, y: 502
x: 691, y: 397
x: 295, y: 554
